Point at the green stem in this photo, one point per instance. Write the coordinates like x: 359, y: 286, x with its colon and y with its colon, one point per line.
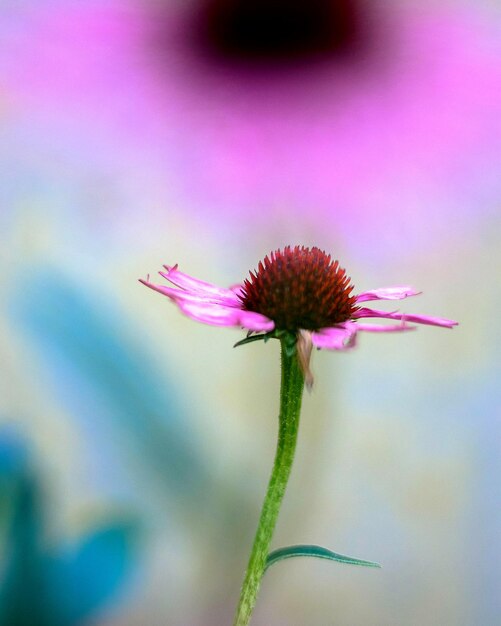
x: 291, y: 393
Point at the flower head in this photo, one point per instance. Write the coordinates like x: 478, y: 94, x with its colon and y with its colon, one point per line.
x: 299, y: 292
x: 299, y: 288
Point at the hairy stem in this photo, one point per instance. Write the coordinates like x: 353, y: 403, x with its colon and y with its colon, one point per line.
x: 291, y: 393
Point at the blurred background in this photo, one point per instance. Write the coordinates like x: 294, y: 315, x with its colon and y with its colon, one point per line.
x: 135, y: 444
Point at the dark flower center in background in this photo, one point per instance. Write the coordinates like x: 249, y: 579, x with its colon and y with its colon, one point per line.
x: 299, y: 288
x: 280, y: 30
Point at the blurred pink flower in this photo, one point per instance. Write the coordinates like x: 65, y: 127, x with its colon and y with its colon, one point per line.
x: 382, y: 134
x: 298, y: 290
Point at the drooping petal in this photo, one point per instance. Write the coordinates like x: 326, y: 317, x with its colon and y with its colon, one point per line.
x: 237, y: 289
x: 304, y: 346
x: 193, y: 296
x: 388, y: 293
x: 171, y: 292
x: 221, y: 315
x: 193, y: 285
x: 254, y: 321
x: 340, y: 337
x: 380, y: 328
x: 209, y: 313
x: 405, y: 317
x: 212, y: 310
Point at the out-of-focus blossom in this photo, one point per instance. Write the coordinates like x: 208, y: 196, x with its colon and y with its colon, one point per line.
x: 378, y: 133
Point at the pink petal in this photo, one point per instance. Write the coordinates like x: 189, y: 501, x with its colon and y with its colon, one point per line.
x: 188, y: 283
x: 195, y: 296
x: 255, y: 321
x: 220, y: 315
x: 388, y: 293
x: 404, y: 317
x: 379, y: 328
x: 341, y: 337
x: 237, y: 289
x: 178, y: 294
x: 211, y: 310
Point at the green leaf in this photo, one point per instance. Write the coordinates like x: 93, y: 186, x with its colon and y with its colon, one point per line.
x: 250, y: 338
x: 316, y: 551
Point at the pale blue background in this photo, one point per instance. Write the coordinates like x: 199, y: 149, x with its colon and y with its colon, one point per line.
x: 114, y: 161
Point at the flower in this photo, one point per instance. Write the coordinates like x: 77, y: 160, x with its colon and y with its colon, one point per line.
x: 121, y: 93
x: 297, y: 291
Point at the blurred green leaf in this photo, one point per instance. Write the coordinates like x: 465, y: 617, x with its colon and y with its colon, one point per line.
x: 22, y: 593
x: 91, y: 572
x: 316, y: 551
x: 53, y: 586
x: 93, y: 361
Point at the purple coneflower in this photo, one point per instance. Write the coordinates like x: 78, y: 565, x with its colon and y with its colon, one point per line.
x: 303, y: 298
x: 298, y: 291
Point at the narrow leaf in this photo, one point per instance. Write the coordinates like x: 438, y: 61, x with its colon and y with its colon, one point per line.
x: 251, y: 338
x: 315, y: 551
